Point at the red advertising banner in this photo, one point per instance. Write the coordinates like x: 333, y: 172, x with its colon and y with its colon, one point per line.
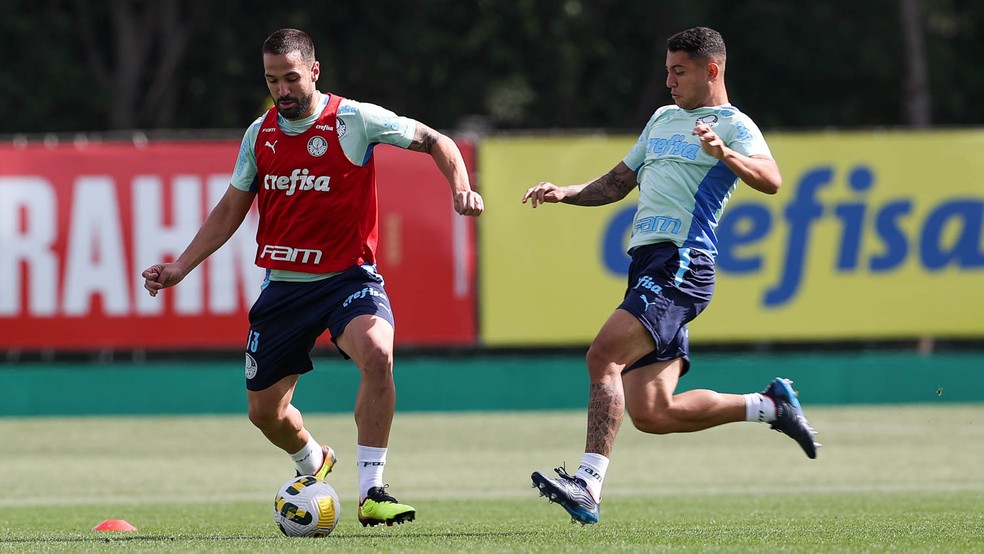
x: 79, y: 222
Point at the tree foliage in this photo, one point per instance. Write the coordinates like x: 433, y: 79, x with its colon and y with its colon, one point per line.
x: 90, y: 66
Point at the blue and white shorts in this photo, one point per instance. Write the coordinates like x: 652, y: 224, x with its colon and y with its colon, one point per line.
x: 288, y: 317
x: 668, y: 287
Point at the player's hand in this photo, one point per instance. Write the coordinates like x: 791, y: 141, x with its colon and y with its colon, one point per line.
x: 544, y: 193
x: 161, y: 276
x: 469, y: 202
x: 710, y: 142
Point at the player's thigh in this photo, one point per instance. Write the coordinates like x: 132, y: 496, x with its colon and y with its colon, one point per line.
x: 622, y: 340
x: 271, y: 402
x: 368, y: 340
x: 649, y: 389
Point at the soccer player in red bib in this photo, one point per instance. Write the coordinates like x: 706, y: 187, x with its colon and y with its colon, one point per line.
x: 308, y: 164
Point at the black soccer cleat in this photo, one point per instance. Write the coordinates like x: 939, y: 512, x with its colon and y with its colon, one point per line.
x: 789, y: 415
x: 571, y: 493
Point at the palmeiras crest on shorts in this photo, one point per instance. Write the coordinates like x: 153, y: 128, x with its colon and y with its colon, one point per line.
x: 317, y: 146
x: 710, y: 120
x: 250, y: 367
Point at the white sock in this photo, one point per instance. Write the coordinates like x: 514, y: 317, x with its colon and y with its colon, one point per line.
x: 308, y: 459
x: 759, y: 407
x: 371, y: 461
x: 592, y: 471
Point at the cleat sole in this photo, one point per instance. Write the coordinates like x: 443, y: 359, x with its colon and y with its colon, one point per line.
x: 553, y: 497
x: 398, y: 520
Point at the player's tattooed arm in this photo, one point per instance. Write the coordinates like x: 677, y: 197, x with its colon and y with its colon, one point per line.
x: 610, y: 187
x: 448, y: 159
x: 424, y: 139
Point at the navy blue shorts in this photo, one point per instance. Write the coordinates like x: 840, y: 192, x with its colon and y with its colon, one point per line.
x: 668, y: 287
x: 288, y: 317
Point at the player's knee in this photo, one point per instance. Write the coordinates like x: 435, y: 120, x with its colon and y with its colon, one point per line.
x: 377, y: 362
x: 600, y: 362
x: 653, y: 422
x: 262, y: 417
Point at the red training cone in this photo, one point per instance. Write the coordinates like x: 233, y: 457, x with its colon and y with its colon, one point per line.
x: 114, y: 525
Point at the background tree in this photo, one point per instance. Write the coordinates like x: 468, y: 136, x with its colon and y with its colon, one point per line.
x: 134, y: 55
x: 91, y: 66
x: 916, y: 89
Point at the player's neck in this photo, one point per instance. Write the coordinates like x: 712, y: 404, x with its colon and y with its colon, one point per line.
x: 315, y: 102
x: 718, y: 97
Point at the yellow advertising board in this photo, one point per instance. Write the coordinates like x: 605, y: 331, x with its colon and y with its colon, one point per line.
x: 874, y: 235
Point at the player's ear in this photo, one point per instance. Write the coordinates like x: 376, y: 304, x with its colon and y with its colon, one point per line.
x: 315, y: 71
x: 713, y: 71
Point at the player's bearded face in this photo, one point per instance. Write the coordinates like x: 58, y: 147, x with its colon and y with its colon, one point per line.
x: 291, y: 106
x: 292, y: 82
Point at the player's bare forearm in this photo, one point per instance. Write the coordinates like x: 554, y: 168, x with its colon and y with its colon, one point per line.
x: 220, y: 224
x: 446, y: 155
x: 610, y: 187
x: 448, y: 159
x: 606, y: 406
x: 759, y: 172
x: 218, y: 227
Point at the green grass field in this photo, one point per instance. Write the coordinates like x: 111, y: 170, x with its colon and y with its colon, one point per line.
x: 888, y: 479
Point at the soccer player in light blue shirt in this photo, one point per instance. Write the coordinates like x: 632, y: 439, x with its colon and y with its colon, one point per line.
x: 687, y: 163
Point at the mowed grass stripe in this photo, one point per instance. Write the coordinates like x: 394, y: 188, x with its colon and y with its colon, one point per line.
x: 943, y: 522
x: 903, y: 478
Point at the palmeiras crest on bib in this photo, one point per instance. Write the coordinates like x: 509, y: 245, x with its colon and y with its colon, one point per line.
x: 317, y: 146
x: 250, y: 367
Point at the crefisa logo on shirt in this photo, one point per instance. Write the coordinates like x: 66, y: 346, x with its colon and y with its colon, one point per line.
x: 317, y: 146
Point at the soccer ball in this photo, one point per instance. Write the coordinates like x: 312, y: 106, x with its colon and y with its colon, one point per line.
x: 306, y: 507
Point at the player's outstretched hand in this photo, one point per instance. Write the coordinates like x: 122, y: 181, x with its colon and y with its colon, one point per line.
x: 469, y: 202
x: 161, y: 276
x: 543, y: 193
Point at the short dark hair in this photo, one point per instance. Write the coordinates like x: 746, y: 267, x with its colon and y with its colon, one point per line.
x: 699, y: 42
x: 286, y: 41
